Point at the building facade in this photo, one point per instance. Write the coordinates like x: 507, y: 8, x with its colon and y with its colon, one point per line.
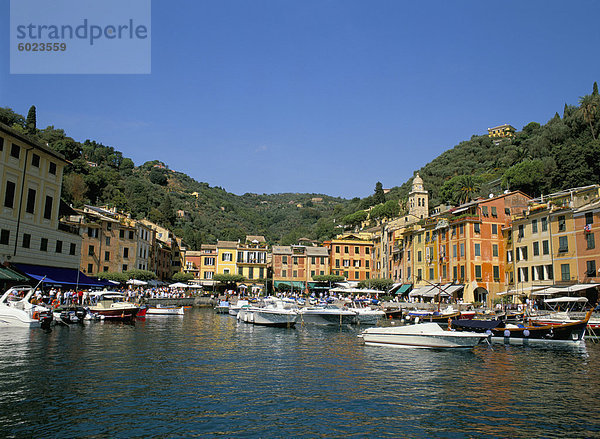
x: 30, y: 191
x: 350, y: 255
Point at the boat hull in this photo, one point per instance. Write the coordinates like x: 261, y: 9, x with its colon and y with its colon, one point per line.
x: 573, y: 332
x: 165, y: 311
x: 17, y: 321
x: 421, y: 336
x: 266, y: 318
x: 116, y: 314
x: 327, y: 319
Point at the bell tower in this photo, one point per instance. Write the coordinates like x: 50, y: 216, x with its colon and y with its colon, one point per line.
x: 418, y: 199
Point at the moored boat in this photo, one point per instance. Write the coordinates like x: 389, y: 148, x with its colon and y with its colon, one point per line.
x: 434, y: 316
x: 365, y: 315
x: 70, y: 314
x: 327, y: 315
x: 112, y: 305
x: 566, y: 310
x: 222, y: 307
x: 275, y: 312
x: 500, y: 331
x: 17, y: 310
x: 235, y: 307
x: 421, y: 335
x: 164, y: 310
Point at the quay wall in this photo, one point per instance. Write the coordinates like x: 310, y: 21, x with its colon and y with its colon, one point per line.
x: 186, y: 301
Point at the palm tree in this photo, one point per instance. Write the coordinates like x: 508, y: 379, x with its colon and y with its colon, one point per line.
x: 466, y: 187
x: 589, y: 110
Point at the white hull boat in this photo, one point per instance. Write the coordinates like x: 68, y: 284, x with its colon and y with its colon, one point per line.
x: 422, y: 335
x: 246, y: 314
x: 365, y: 315
x: 16, y: 309
x: 165, y: 311
x: 276, y: 312
x: 235, y: 307
x: 327, y: 315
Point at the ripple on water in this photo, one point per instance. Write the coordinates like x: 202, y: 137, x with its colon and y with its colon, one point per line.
x: 208, y: 375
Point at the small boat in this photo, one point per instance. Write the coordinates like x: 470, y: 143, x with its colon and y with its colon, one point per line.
x: 222, y: 307
x: 327, y: 315
x: 272, y: 311
x: 71, y: 314
x: 235, y: 307
x: 566, y: 310
x: 421, y: 335
x: 112, y: 305
x: 434, y: 316
x: 164, y: 310
x: 365, y: 315
x: 503, y: 332
x: 17, y: 310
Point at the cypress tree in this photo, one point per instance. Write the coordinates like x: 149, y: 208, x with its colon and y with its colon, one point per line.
x: 595, y: 90
x: 379, y: 194
x: 30, y: 124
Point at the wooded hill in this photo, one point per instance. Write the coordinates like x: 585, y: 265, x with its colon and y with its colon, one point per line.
x: 539, y: 159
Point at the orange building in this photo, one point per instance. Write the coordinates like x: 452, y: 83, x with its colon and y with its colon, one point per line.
x: 474, y: 246
x: 587, y: 224
x: 351, y: 256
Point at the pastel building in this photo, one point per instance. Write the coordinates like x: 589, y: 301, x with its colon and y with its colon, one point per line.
x: 501, y: 131
x: 226, y: 257
x: 30, y: 191
x: 350, y: 255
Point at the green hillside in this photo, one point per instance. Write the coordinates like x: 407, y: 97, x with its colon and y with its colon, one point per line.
x: 538, y: 159
x: 561, y: 154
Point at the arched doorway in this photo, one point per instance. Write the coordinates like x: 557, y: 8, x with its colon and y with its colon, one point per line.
x: 480, y: 295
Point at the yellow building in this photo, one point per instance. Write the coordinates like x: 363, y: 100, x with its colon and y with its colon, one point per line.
x: 252, y: 259
x: 501, y: 131
x: 30, y: 190
x: 226, y: 257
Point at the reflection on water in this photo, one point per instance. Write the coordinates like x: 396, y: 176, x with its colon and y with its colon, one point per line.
x: 206, y: 374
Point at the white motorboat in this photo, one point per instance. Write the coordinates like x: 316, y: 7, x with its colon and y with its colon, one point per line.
x: 365, y: 315
x: 327, y: 315
x: 421, y: 335
x: 235, y: 307
x: 246, y: 313
x: 17, y: 310
x: 273, y: 311
x: 163, y: 310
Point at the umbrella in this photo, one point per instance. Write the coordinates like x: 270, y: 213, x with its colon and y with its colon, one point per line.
x: 178, y: 285
x: 136, y: 282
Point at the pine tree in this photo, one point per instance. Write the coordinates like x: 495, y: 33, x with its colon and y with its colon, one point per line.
x: 379, y: 196
x: 30, y: 124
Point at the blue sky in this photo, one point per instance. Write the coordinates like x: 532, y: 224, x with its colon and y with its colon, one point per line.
x: 270, y: 96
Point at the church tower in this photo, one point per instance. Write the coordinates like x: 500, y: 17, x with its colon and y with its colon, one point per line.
x: 418, y: 199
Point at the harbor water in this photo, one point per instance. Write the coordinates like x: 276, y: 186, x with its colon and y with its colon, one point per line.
x: 205, y: 375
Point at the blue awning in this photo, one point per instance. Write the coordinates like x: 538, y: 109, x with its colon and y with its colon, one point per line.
x: 59, y: 276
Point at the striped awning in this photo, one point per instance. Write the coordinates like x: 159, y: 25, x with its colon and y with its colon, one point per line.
x: 6, y: 274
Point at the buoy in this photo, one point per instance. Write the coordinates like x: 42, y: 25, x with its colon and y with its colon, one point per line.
x: 506, y: 333
x: 526, y: 333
